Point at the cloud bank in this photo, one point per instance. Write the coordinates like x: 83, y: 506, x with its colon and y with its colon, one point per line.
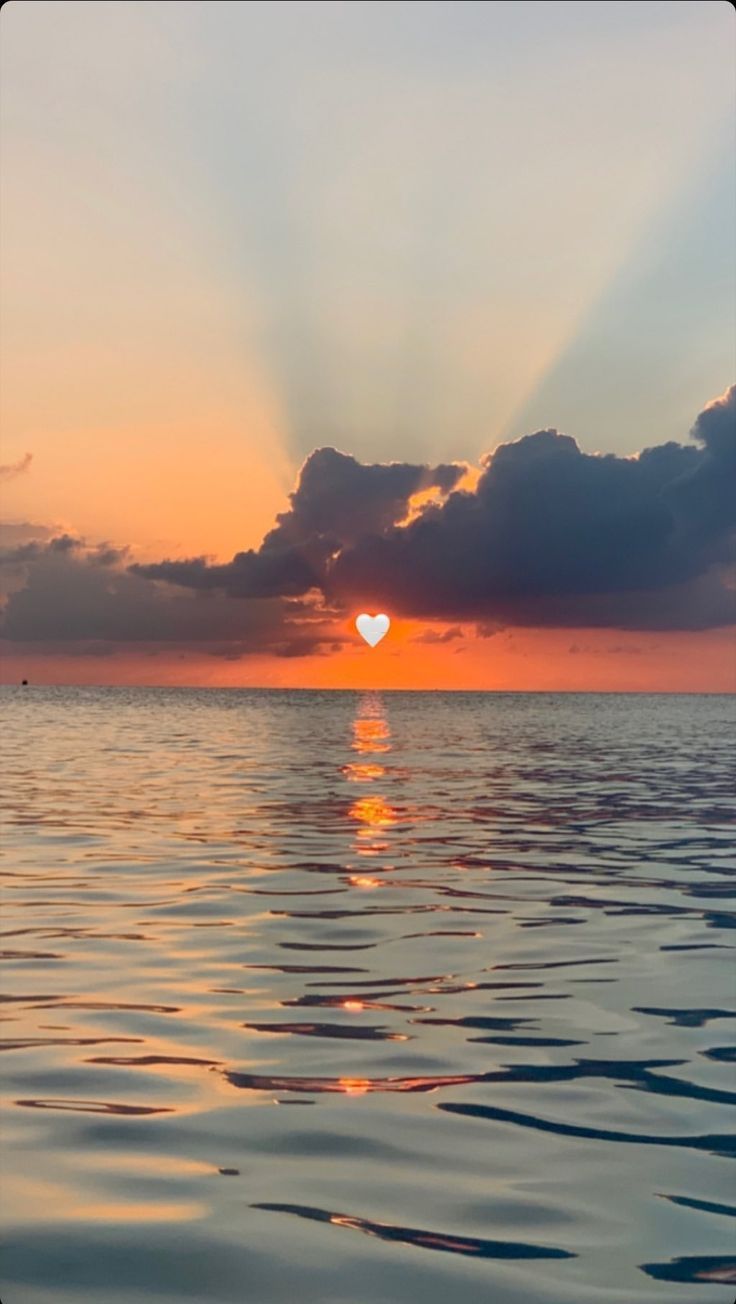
x: 548, y: 536
x: 337, y: 503
x: 554, y: 536
x: 73, y: 598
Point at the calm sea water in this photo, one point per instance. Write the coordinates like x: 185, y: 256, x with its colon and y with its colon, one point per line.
x: 367, y: 999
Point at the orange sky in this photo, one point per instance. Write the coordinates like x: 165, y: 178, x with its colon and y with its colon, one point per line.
x: 187, y: 312
x: 513, y: 659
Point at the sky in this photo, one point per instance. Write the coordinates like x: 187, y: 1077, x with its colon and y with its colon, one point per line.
x: 309, y: 308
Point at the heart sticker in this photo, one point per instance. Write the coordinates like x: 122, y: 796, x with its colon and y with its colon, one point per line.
x: 372, y: 628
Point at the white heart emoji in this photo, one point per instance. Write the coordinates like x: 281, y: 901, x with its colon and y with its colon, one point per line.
x: 372, y: 628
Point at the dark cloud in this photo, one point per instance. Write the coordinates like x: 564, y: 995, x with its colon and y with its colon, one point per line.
x: 22, y: 542
x: 342, y: 500
x: 703, y: 498
x: 105, y: 555
x: 13, y: 469
x: 80, y: 598
x: 555, y: 536
x: 21, y: 552
x: 270, y: 572
x: 549, y: 536
x: 337, y: 502
x: 714, y: 427
x: 440, y: 636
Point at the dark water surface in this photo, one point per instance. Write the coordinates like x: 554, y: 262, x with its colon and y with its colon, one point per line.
x: 361, y: 999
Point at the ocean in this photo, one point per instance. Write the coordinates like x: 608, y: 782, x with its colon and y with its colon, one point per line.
x: 361, y: 998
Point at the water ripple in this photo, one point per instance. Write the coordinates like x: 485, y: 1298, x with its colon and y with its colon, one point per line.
x: 484, y: 941
x: 448, y: 1244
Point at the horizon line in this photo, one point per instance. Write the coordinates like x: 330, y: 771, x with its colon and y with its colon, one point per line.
x: 468, y: 692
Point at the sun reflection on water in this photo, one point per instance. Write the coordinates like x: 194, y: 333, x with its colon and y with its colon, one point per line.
x: 372, y: 814
x: 363, y: 773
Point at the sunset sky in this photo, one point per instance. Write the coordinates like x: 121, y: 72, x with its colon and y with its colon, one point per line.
x: 474, y: 247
